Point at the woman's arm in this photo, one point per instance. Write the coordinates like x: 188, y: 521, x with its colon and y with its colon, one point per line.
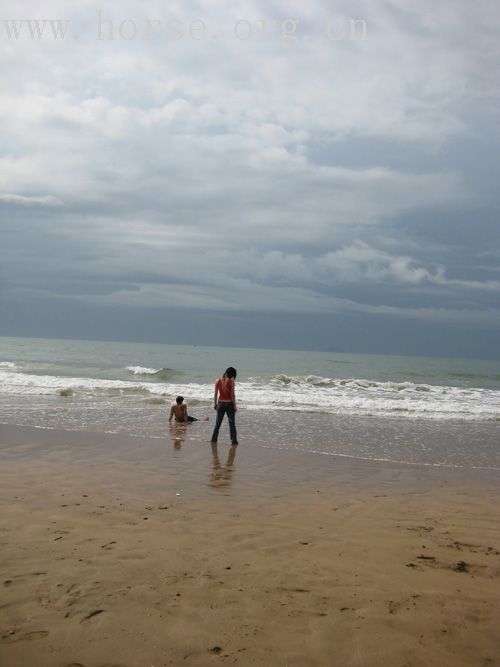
x: 233, y: 397
x: 215, y: 393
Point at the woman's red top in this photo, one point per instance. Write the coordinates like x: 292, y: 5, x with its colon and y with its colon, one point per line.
x: 225, y: 395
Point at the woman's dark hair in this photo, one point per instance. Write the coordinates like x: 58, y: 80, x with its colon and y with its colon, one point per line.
x: 230, y: 372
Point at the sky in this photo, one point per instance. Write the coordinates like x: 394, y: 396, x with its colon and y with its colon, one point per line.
x: 319, y: 175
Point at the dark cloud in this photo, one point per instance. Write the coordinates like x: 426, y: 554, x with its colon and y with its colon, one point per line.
x: 256, y: 184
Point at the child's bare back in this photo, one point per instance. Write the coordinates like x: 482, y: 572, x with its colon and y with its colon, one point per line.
x: 179, y: 411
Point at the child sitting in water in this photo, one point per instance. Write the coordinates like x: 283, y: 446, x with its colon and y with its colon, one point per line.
x: 180, y: 412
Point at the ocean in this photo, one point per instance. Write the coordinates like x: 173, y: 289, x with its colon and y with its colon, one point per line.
x: 414, y: 410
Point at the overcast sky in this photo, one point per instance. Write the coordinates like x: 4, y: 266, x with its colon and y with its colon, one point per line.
x: 216, y: 172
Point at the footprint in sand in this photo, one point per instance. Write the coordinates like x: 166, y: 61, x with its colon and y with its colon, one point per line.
x: 24, y: 637
x: 36, y: 634
x: 108, y: 546
x: 474, y: 548
x: 406, y: 603
x: 92, y: 614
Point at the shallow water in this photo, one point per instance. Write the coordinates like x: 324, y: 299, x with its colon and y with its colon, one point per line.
x: 401, y: 409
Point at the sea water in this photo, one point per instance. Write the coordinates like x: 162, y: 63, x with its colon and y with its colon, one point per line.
x: 410, y: 409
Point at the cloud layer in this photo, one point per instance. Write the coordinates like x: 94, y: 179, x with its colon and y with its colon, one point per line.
x: 263, y: 161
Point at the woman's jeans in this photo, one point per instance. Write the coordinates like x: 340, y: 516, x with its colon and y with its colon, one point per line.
x: 225, y: 409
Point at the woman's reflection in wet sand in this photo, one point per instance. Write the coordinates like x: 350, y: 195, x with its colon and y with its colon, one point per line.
x: 177, y: 433
x: 221, y: 475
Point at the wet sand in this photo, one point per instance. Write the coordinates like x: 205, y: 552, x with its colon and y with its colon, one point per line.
x: 139, y: 552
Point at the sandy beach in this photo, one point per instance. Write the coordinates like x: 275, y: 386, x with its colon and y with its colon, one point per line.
x: 123, y: 551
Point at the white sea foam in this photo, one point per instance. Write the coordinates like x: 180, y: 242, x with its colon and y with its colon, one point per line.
x: 352, y: 396
x: 366, y: 397
x: 156, y: 374
x: 27, y: 384
x: 141, y: 370
x: 7, y: 364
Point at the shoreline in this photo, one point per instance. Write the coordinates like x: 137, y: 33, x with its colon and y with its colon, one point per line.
x: 184, y: 458
x: 388, y: 440
x: 135, y: 551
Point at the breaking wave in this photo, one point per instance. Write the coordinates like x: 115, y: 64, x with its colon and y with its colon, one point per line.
x: 308, y: 393
x: 7, y: 364
x: 156, y: 374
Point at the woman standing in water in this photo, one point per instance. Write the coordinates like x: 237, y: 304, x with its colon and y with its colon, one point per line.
x: 225, y: 404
